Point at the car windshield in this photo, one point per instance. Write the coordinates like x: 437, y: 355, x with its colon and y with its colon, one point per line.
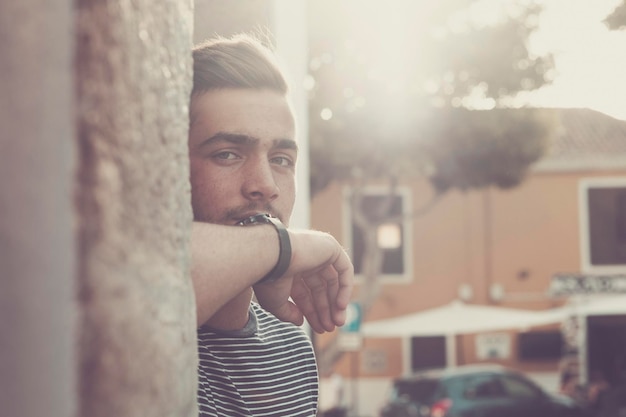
x: 517, y: 388
x: 420, y: 391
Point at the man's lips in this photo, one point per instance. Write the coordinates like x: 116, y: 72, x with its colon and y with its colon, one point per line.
x: 242, y: 219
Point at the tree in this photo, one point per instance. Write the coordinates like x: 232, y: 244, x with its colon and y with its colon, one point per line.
x: 430, y: 103
x: 617, y: 19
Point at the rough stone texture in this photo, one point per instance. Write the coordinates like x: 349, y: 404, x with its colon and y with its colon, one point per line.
x: 133, y: 78
x: 37, y: 257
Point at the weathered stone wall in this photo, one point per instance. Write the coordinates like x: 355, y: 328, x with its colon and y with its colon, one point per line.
x: 97, y: 313
x: 37, y: 257
x: 133, y: 73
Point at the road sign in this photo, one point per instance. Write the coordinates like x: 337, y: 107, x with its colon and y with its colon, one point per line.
x: 350, y: 342
x: 353, y: 318
x: 572, y: 284
x: 350, y: 338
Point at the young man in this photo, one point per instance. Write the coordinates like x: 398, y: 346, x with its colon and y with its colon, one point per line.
x: 254, y: 359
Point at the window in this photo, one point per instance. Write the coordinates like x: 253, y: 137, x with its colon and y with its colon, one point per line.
x: 392, y: 237
x: 540, y: 345
x: 603, y: 224
x: 482, y: 387
x: 516, y: 388
x: 493, y: 346
x: 428, y: 352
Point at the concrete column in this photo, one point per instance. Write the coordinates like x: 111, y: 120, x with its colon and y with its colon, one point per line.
x: 38, y: 310
x: 97, y: 312
x: 137, y: 335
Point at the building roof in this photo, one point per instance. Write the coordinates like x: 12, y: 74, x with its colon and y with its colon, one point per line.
x: 585, y: 140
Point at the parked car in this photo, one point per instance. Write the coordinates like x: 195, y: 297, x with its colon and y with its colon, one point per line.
x: 475, y: 391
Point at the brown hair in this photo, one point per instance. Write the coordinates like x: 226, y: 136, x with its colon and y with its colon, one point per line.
x: 241, y: 61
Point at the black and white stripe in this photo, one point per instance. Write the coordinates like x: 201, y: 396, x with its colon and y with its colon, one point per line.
x: 266, y: 369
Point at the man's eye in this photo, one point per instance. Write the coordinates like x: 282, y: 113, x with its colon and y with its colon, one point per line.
x: 225, y: 155
x: 283, y: 161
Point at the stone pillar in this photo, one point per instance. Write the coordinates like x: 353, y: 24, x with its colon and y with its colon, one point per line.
x: 97, y: 313
x: 38, y: 310
x: 133, y: 79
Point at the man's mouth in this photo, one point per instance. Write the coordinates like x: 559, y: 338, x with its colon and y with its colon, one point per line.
x: 250, y: 219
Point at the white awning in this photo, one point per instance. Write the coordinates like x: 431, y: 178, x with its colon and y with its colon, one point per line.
x: 458, y: 318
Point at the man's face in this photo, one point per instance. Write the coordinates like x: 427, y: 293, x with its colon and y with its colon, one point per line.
x: 242, y: 153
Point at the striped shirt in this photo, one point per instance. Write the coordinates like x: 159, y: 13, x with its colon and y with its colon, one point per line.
x: 266, y: 369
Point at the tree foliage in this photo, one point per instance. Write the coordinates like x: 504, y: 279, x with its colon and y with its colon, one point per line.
x: 617, y: 19
x: 414, y: 118
x: 428, y: 102
x: 476, y: 149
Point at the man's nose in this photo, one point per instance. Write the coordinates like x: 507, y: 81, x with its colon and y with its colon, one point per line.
x: 259, y: 183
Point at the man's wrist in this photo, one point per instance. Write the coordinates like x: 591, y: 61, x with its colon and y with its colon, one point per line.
x: 284, y: 245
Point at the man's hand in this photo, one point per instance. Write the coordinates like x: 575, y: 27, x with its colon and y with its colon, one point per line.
x: 319, y: 281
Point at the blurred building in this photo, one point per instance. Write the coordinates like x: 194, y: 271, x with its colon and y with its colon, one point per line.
x: 565, y: 225
x: 536, y: 248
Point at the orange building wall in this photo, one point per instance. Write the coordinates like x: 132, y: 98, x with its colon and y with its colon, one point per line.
x: 443, y: 255
x: 352, y: 363
x: 517, y: 238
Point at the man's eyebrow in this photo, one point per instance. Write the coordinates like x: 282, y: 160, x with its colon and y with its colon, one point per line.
x: 234, y: 138
x: 285, y: 144
x: 240, y: 139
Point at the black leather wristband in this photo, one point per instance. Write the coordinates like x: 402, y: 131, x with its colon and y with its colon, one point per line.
x: 284, y: 244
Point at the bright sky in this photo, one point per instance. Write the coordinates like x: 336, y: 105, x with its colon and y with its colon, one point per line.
x: 590, y: 60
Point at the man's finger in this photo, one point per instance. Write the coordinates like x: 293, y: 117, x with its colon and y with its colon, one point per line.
x: 303, y: 299
x: 319, y: 287
x: 345, y: 282
x: 290, y: 313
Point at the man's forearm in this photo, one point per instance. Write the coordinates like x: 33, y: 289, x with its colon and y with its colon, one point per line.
x: 226, y: 260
